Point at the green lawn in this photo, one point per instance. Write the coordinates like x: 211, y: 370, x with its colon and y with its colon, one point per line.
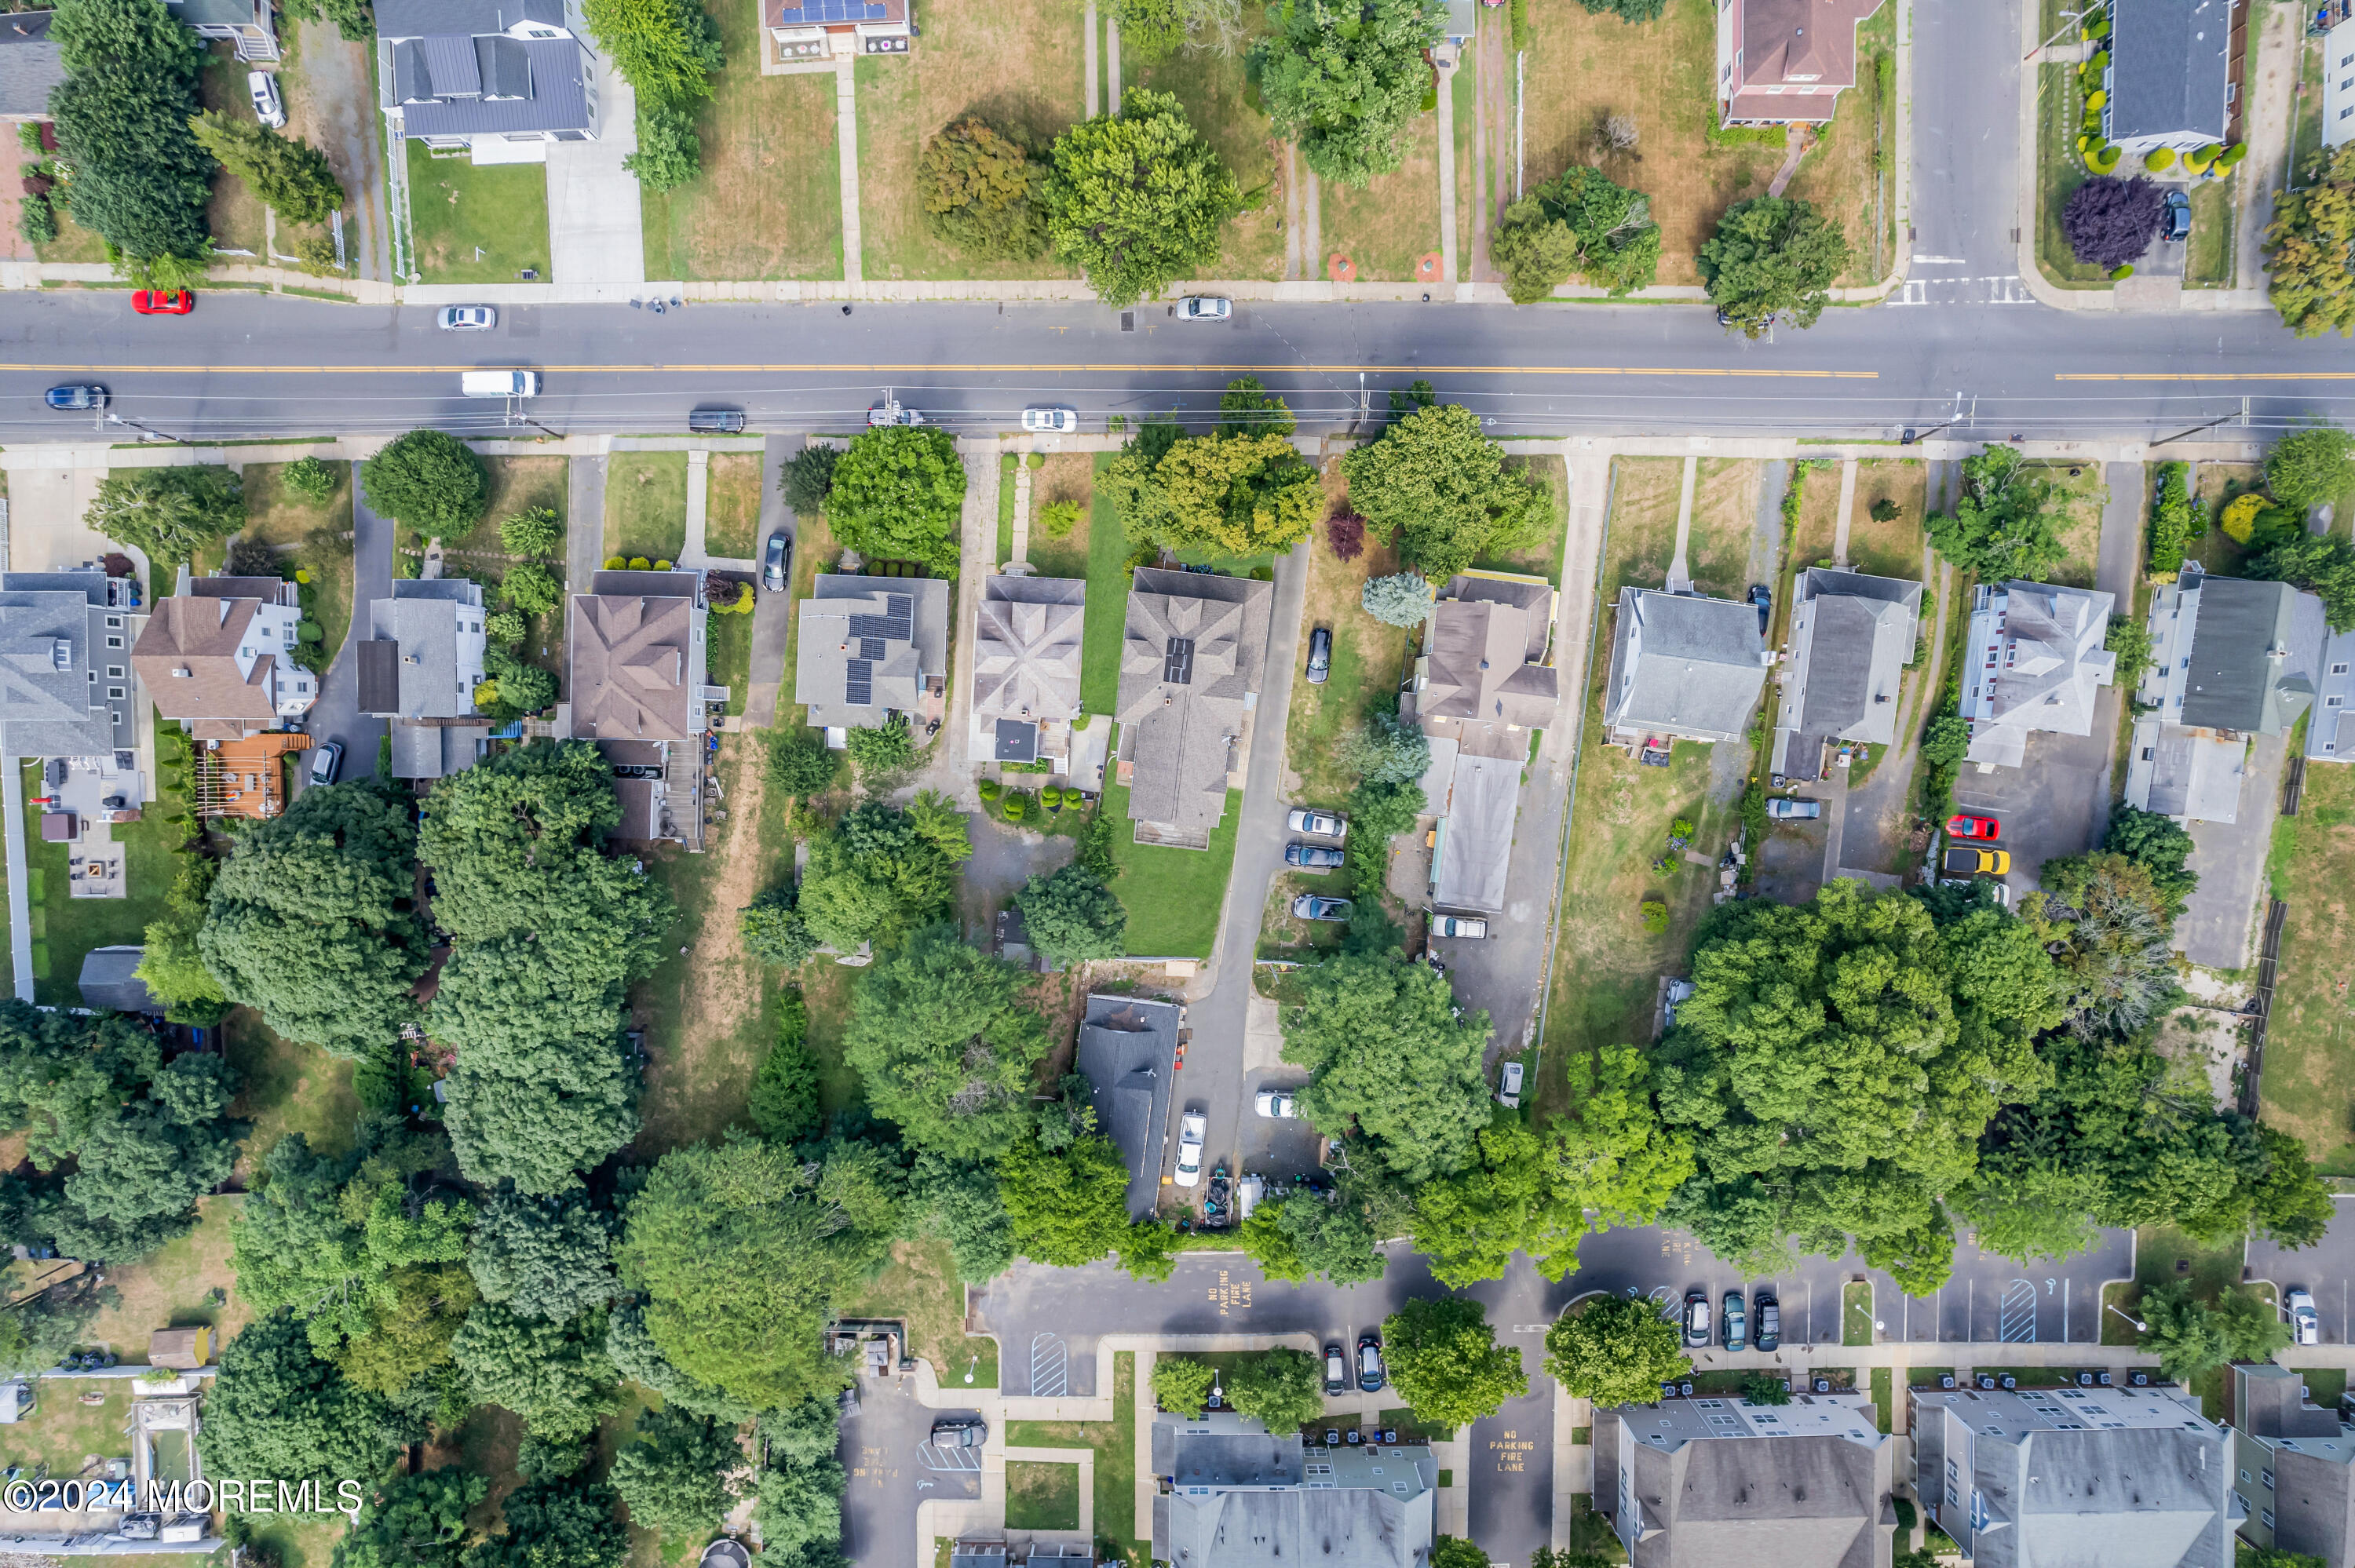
x: 1107, y: 610
x: 728, y: 654
x: 2324, y: 1384
x: 2207, y: 258
x: 1114, y: 1442
x: 919, y: 1286
x: 1542, y: 556
x: 731, y: 505
x: 478, y: 226
x: 646, y: 504
x: 1042, y: 1496
x: 2059, y: 107
x: 66, y: 927
x: 1881, y: 1397
x: 1856, y: 1313
x: 1005, y: 482
x: 2309, y: 1077
x: 1173, y: 895
x: 2163, y: 1253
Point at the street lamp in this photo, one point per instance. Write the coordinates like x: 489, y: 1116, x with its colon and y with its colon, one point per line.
x: 2139, y: 1326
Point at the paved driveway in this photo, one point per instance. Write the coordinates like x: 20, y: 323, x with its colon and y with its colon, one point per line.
x: 595, y: 231
x: 772, y: 613
x: 2229, y: 858
x: 891, y: 1467
x: 337, y: 716
x: 2056, y: 803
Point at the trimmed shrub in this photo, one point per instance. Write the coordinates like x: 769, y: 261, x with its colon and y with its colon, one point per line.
x: 1018, y: 806
x: 2121, y: 272
x: 662, y: 566
x: 1655, y: 916
x: 506, y: 626
x: 37, y: 220
x: 309, y: 632
x: 1080, y: 723
x: 2095, y: 99
x: 1346, y: 532
x: 2102, y: 160
x: 615, y: 563
x: 2240, y: 516
x: 1057, y: 519
x: 2159, y: 160
x: 301, y: 575
x: 310, y: 479
x: 2112, y: 221
x: 2232, y: 155
x: 1051, y: 797
x: 1038, y: 460
x: 990, y: 788
x: 640, y: 564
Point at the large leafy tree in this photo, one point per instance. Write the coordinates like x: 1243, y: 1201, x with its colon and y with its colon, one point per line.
x: 1836, y: 1067
x: 2189, y: 1337
x: 1538, y: 1189
x: 290, y: 175
x: 309, y: 922
x: 1445, y: 1362
x: 2307, y: 244
x: 1238, y: 494
x: 1280, y: 1389
x: 279, y: 1409
x: 666, y: 49
x: 1182, y: 1385
x: 899, y: 495
x: 1073, y: 917
x: 544, y: 1258
x: 1614, y: 1350
x: 639, y: 1360
x: 742, y: 1256
x: 1391, y: 1063
x: 565, y: 1523
x: 945, y: 1038
x: 1339, y: 1240
x: 679, y: 1474
x: 883, y: 871
x: 1578, y: 222
x: 2107, y: 927
x: 2006, y: 521
x: 2311, y: 466
x: 800, y: 1488
x: 1343, y: 80
x: 1773, y: 258
x: 170, y: 965
x: 413, y: 1521
x: 555, y: 1375
x: 429, y: 480
x: 1066, y: 1206
x: 2110, y: 221
x: 1137, y: 200
x: 959, y: 1201
x: 984, y: 193
x: 141, y: 182
x: 2324, y: 564
x: 1440, y: 487
x: 169, y: 514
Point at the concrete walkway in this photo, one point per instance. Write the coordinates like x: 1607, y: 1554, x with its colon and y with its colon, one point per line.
x: 1846, y: 509
x: 1448, y: 262
x: 1021, y: 543
x: 584, y: 536
x: 595, y: 231
x: 846, y: 124
x: 1680, y: 567
x: 1094, y: 29
x: 1112, y: 67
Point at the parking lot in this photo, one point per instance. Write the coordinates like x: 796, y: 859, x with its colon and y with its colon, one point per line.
x: 2326, y: 1268
x: 2056, y: 803
x: 892, y: 1467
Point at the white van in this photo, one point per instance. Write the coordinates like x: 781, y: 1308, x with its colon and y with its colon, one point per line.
x: 500, y: 383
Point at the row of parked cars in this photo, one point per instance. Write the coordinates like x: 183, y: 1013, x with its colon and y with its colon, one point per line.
x: 1370, y: 1375
x: 1734, y: 1327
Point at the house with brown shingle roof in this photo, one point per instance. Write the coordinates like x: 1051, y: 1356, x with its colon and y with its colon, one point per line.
x: 635, y: 660
x: 1782, y: 62
x: 218, y: 656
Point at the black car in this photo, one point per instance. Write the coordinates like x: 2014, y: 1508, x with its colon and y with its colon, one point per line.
x: 716, y: 421
x: 1768, y: 1335
x: 1369, y: 1363
x: 777, y: 564
x: 2178, y: 216
x: 1320, y: 656
x: 1315, y: 857
x: 1765, y: 603
x: 71, y: 399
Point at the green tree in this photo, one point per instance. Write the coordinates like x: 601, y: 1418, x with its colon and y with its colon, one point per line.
x: 1454, y: 1552
x: 427, y: 481
x: 2108, y: 930
x: 2323, y: 564
x: 666, y: 49
x: 309, y: 921
x: 168, y: 513
x: 2006, y: 521
x: 1137, y: 200
x: 2186, y: 1333
x: 354, y: 19
x: 742, y: 1256
x: 1073, y: 917
x: 799, y: 761
x: 2307, y: 243
x: 1616, y: 1351
x: 413, y: 1521
x: 1444, y: 1360
x: 170, y: 965
x: 883, y: 873
x: 1343, y: 82
x: 669, y: 151
x: 1067, y: 1207
x: 1388, y: 1060
x: 531, y: 589
x: 405, y: 1354
x: 534, y: 530
x: 1773, y: 258
x: 1281, y: 1389
x: 141, y: 181
x: 983, y: 192
x: 881, y: 753
x: 1387, y: 750
x: 899, y: 495
x: 285, y: 172
x: 1578, y: 222
x: 680, y: 1474
x: 1235, y: 494
x: 1181, y: 1384
x: 807, y: 477
x: 784, y: 1104
x: 639, y: 1360
x: 2159, y: 845
x: 799, y: 1509
x: 312, y: 478
x: 1535, y: 249
x: 41, y: 1325
x: 2249, y: 1556
x: 278, y: 1409
x: 1836, y: 1067
x: 543, y: 1257
x: 555, y: 1524
x: 1403, y: 599
x: 1153, y: 30
x: 1439, y: 486
x: 553, y: 1374
x: 959, y: 1201
x: 945, y: 1038
x: 1629, y: 11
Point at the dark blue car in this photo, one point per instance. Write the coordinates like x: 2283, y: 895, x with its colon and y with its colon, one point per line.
x: 72, y: 398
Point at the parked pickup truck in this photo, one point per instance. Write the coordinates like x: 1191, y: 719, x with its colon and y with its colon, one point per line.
x: 1780, y: 807
x: 500, y: 383
x: 1964, y: 860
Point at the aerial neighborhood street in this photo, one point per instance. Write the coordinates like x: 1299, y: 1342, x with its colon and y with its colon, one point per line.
x: 1178, y: 783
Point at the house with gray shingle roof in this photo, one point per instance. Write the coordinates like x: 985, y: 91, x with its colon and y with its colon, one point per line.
x: 2169, y: 76
x: 1682, y: 665
x: 31, y: 66
x: 2035, y: 661
x: 501, y: 78
x: 2231, y: 658
x: 1193, y: 653
x: 1026, y: 662
x: 1852, y: 634
x: 870, y: 647
x: 419, y: 669
x: 1235, y: 1495
x: 66, y: 687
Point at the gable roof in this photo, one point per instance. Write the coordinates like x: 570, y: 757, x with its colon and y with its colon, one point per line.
x: 2239, y: 678
x: 869, y: 645
x: 2034, y: 661
x: 1485, y: 637
x: 1806, y: 47
x: 1026, y: 649
x: 50, y: 704
x: 417, y: 663
x: 31, y: 64
x: 1683, y: 665
x: 1126, y: 1049
x: 1193, y: 652
x: 454, y: 85
x: 200, y: 632
x: 2171, y: 61
x: 636, y: 657
x: 1852, y: 634
x: 416, y: 18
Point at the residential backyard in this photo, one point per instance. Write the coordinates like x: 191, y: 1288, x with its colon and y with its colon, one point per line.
x: 2310, y: 1077
x: 311, y: 536
x: 473, y: 225
x: 1173, y: 895
x: 768, y: 201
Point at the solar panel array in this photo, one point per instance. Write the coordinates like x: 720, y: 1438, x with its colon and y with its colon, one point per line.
x: 872, y: 649
x: 873, y: 633
x: 839, y: 11
x: 1177, y: 662
x: 896, y: 622
x: 859, y: 684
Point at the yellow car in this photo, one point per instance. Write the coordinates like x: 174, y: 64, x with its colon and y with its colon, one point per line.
x: 1968, y: 860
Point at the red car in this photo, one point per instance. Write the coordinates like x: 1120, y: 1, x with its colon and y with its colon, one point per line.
x: 1974, y: 828
x: 159, y: 302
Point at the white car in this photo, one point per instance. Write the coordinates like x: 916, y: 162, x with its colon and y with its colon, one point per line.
x: 1509, y: 1093
x: 1277, y: 1102
x: 1204, y: 308
x: 1055, y: 421
x: 2305, y: 1322
x: 466, y: 318
x: 1470, y: 928
x: 1324, y: 824
x: 1192, y: 1127
x: 268, y: 106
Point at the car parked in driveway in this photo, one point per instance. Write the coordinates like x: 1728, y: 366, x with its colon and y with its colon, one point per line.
x: 261, y: 87
x: 86, y: 397
x: 1277, y: 1102
x: 1697, y: 1319
x: 1781, y: 808
x: 1204, y: 308
x: 1763, y: 598
x: 467, y: 318
x: 1768, y: 1334
x: 1192, y: 1129
x: 1968, y: 860
x: 2305, y: 1322
x: 1315, y: 857
x: 162, y: 301
x: 1966, y: 827
x: 1320, y: 656
x: 1509, y: 1090
x: 1322, y: 825
x: 2178, y: 216
x: 1369, y: 1364
x: 1737, y: 1322
x: 777, y: 563
x: 1337, y: 1371
x: 1317, y: 907
x: 326, y: 761
x: 1052, y: 421
x: 1468, y: 927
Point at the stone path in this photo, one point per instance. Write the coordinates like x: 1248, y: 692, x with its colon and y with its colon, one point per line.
x: 845, y: 118
x: 1796, y: 140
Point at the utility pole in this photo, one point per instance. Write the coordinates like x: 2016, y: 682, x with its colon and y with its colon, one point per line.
x: 2243, y: 416
x: 1913, y: 437
x: 148, y: 429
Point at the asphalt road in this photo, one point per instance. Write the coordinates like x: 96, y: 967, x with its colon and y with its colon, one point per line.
x: 1965, y: 112
x: 891, y: 1467
x: 245, y: 364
